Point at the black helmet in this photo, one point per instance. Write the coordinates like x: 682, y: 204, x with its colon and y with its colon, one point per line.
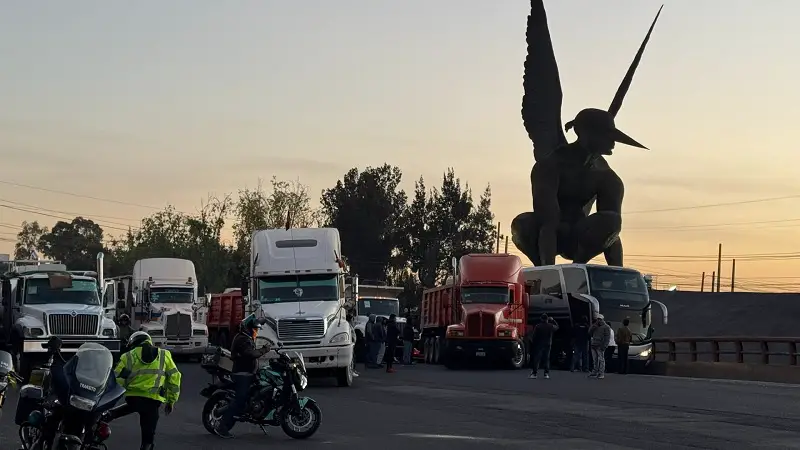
x: 138, y: 339
x: 125, y: 319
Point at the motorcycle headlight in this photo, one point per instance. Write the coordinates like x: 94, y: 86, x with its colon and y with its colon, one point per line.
x: 341, y: 338
x: 84, y: 404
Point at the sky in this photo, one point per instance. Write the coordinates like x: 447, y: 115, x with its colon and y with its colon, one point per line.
x: 154, y: 103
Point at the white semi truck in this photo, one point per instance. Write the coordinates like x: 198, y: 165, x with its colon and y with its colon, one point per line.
x: 42, y: 299
x: 297, y: 283
x: 382, y: 301
x: 160, y: 297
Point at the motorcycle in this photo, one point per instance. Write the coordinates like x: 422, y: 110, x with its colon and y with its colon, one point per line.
x: 7, y: 376
x: 64, y: 412
x: 273, y: 398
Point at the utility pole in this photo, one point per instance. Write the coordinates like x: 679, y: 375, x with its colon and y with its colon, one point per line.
x: 713, y: 277
x: 733, y: 273
x: 719, y: 266
x: 497, y: 238
x: 703, y: 282
x: 506, y: 245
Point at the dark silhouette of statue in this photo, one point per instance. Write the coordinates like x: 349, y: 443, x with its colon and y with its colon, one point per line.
x: 568, y: 179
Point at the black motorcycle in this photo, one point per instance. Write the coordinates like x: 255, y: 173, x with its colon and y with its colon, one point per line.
x: 273, y: 398
x: 63, y: 413
x: 7, y: 377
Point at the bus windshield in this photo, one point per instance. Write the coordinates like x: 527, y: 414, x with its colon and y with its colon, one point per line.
x: 485, y: 294
x: 301, y: 288
x: 378, y: 306
x: 614, y: 280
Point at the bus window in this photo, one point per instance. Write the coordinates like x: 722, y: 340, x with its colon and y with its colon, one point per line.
x: 575, y: 280
x: 550, y: 282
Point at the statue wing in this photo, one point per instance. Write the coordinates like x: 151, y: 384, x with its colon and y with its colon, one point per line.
x: 542, y: 97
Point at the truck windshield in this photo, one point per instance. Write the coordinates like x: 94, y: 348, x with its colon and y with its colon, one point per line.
x: 484, y: 294
x: 171, y: 295
x: 82, y: 292
x: 302, y: 288
x: 379, y: 307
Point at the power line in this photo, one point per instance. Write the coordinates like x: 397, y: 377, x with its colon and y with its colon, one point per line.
x: 59, y: 217
x: 73, y: 214
x: 727, y: 224
x: 714, y: 205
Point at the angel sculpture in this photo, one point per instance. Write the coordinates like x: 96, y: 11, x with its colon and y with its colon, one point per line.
x: 568, y: 178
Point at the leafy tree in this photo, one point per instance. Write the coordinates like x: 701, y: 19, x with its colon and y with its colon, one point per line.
x: 420, y: 246
x: 28, y: 239
x: 367, y: 208
x: 74, y: 243
x: 257, y: 210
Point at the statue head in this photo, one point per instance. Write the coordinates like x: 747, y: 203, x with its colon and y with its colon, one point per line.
x: 596, y: 130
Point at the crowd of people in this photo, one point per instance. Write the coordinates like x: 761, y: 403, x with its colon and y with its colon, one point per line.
x: 382, y: 336
x: 593, y: 346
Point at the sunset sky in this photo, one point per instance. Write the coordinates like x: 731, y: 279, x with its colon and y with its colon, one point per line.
x: 154, y: 103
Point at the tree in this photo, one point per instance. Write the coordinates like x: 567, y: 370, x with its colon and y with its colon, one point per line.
x: 74, y: 243
x: 28, y: 239
x: 420, y: 246
x: 367, y: 208
x: 257, y: 210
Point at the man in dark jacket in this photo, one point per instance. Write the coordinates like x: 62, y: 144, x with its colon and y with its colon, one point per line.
x: 580, y: 346
x: 624, y: 338
x: 541, y: 342
x: 245, y: 360
x: 392, y: 337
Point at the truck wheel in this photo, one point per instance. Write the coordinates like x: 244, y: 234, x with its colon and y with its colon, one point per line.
x: 426, y: 350
x: 344, y: 376
x: 520, y: 356
x: 437, y: 350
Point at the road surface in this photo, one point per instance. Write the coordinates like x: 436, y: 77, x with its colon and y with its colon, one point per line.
x: 438, y: 409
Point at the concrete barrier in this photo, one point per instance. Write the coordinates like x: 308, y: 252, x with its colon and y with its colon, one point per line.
x: 727, y: 371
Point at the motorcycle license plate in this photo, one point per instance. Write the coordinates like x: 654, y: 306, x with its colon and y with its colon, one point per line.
x: 480, y: 353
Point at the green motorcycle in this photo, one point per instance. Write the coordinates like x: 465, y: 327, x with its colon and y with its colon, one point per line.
x: 273, y: 398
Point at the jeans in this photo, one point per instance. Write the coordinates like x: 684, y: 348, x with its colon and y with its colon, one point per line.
x: 540, y: 356
x: 241, y: 388
x: 408, y: 347
x: 580, y: 357
x: 598, y: 356
x: 622, y: 357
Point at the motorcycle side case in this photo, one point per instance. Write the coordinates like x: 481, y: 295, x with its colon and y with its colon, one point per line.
x: 30, y: 399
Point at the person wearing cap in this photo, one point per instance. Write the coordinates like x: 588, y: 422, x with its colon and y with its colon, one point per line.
x: 541, y: 343
x: 601, y: 338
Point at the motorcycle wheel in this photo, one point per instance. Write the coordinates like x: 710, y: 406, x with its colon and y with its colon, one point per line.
x: 302, y: 424
x: 211, y: 411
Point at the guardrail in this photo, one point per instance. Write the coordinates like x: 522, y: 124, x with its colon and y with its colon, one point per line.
x: 728, y: 349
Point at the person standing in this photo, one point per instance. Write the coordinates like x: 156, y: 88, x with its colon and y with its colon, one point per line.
x: 600, y: 334
x: 542, y: 342
x: 612, y: 347
x: 580, y: 346
x: 150, y: 379
x: 392, y: 337
x: 624, y: 337
x: 370, y: 344
x: 379, y: 333
x: 408, y: 343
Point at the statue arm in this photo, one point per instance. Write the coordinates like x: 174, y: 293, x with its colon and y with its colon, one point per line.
x: 545, y: 178
x: 542, y: 95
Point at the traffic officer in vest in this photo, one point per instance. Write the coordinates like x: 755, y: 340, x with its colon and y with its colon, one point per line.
x: 151, y: 379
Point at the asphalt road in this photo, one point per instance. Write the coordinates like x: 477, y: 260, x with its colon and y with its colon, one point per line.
x: 439, y: 409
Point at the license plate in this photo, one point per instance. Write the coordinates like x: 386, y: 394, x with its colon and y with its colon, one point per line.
x: 480, y: 353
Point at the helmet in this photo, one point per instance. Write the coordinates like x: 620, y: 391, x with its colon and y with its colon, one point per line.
x: 125, y: 319
x: 138, y: 339
x: 250, y: 324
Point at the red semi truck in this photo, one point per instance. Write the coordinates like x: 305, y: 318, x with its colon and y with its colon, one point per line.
x: 479, y: 314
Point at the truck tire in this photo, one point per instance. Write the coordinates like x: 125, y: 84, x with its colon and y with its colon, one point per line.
x: 437, y: 351
x: 520, y: 357
x: 426, y: 350
x: 344, y: 376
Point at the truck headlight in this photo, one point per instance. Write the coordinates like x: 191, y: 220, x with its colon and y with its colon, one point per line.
x: 32, y: 332
x: 341, y: 338
x: 505, y: 333
x: 109, y: 332
x: 199, y: 332
x: 455, y: 333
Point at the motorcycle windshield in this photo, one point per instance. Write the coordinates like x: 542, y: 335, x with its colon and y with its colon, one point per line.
x: 299, y: 358
x: 93, y: 366
x: 6, y: 364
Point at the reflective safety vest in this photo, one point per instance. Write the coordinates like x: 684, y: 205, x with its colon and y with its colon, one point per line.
x: 159, y: 380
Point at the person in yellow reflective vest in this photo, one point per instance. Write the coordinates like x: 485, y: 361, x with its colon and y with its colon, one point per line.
x: 151, y: 379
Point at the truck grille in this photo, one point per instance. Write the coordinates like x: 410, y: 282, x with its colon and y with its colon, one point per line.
x: 300, y: 328
x: 178, y: 325
x: 480, y: 325
x: 67, y: 325
x: 474, y: 325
